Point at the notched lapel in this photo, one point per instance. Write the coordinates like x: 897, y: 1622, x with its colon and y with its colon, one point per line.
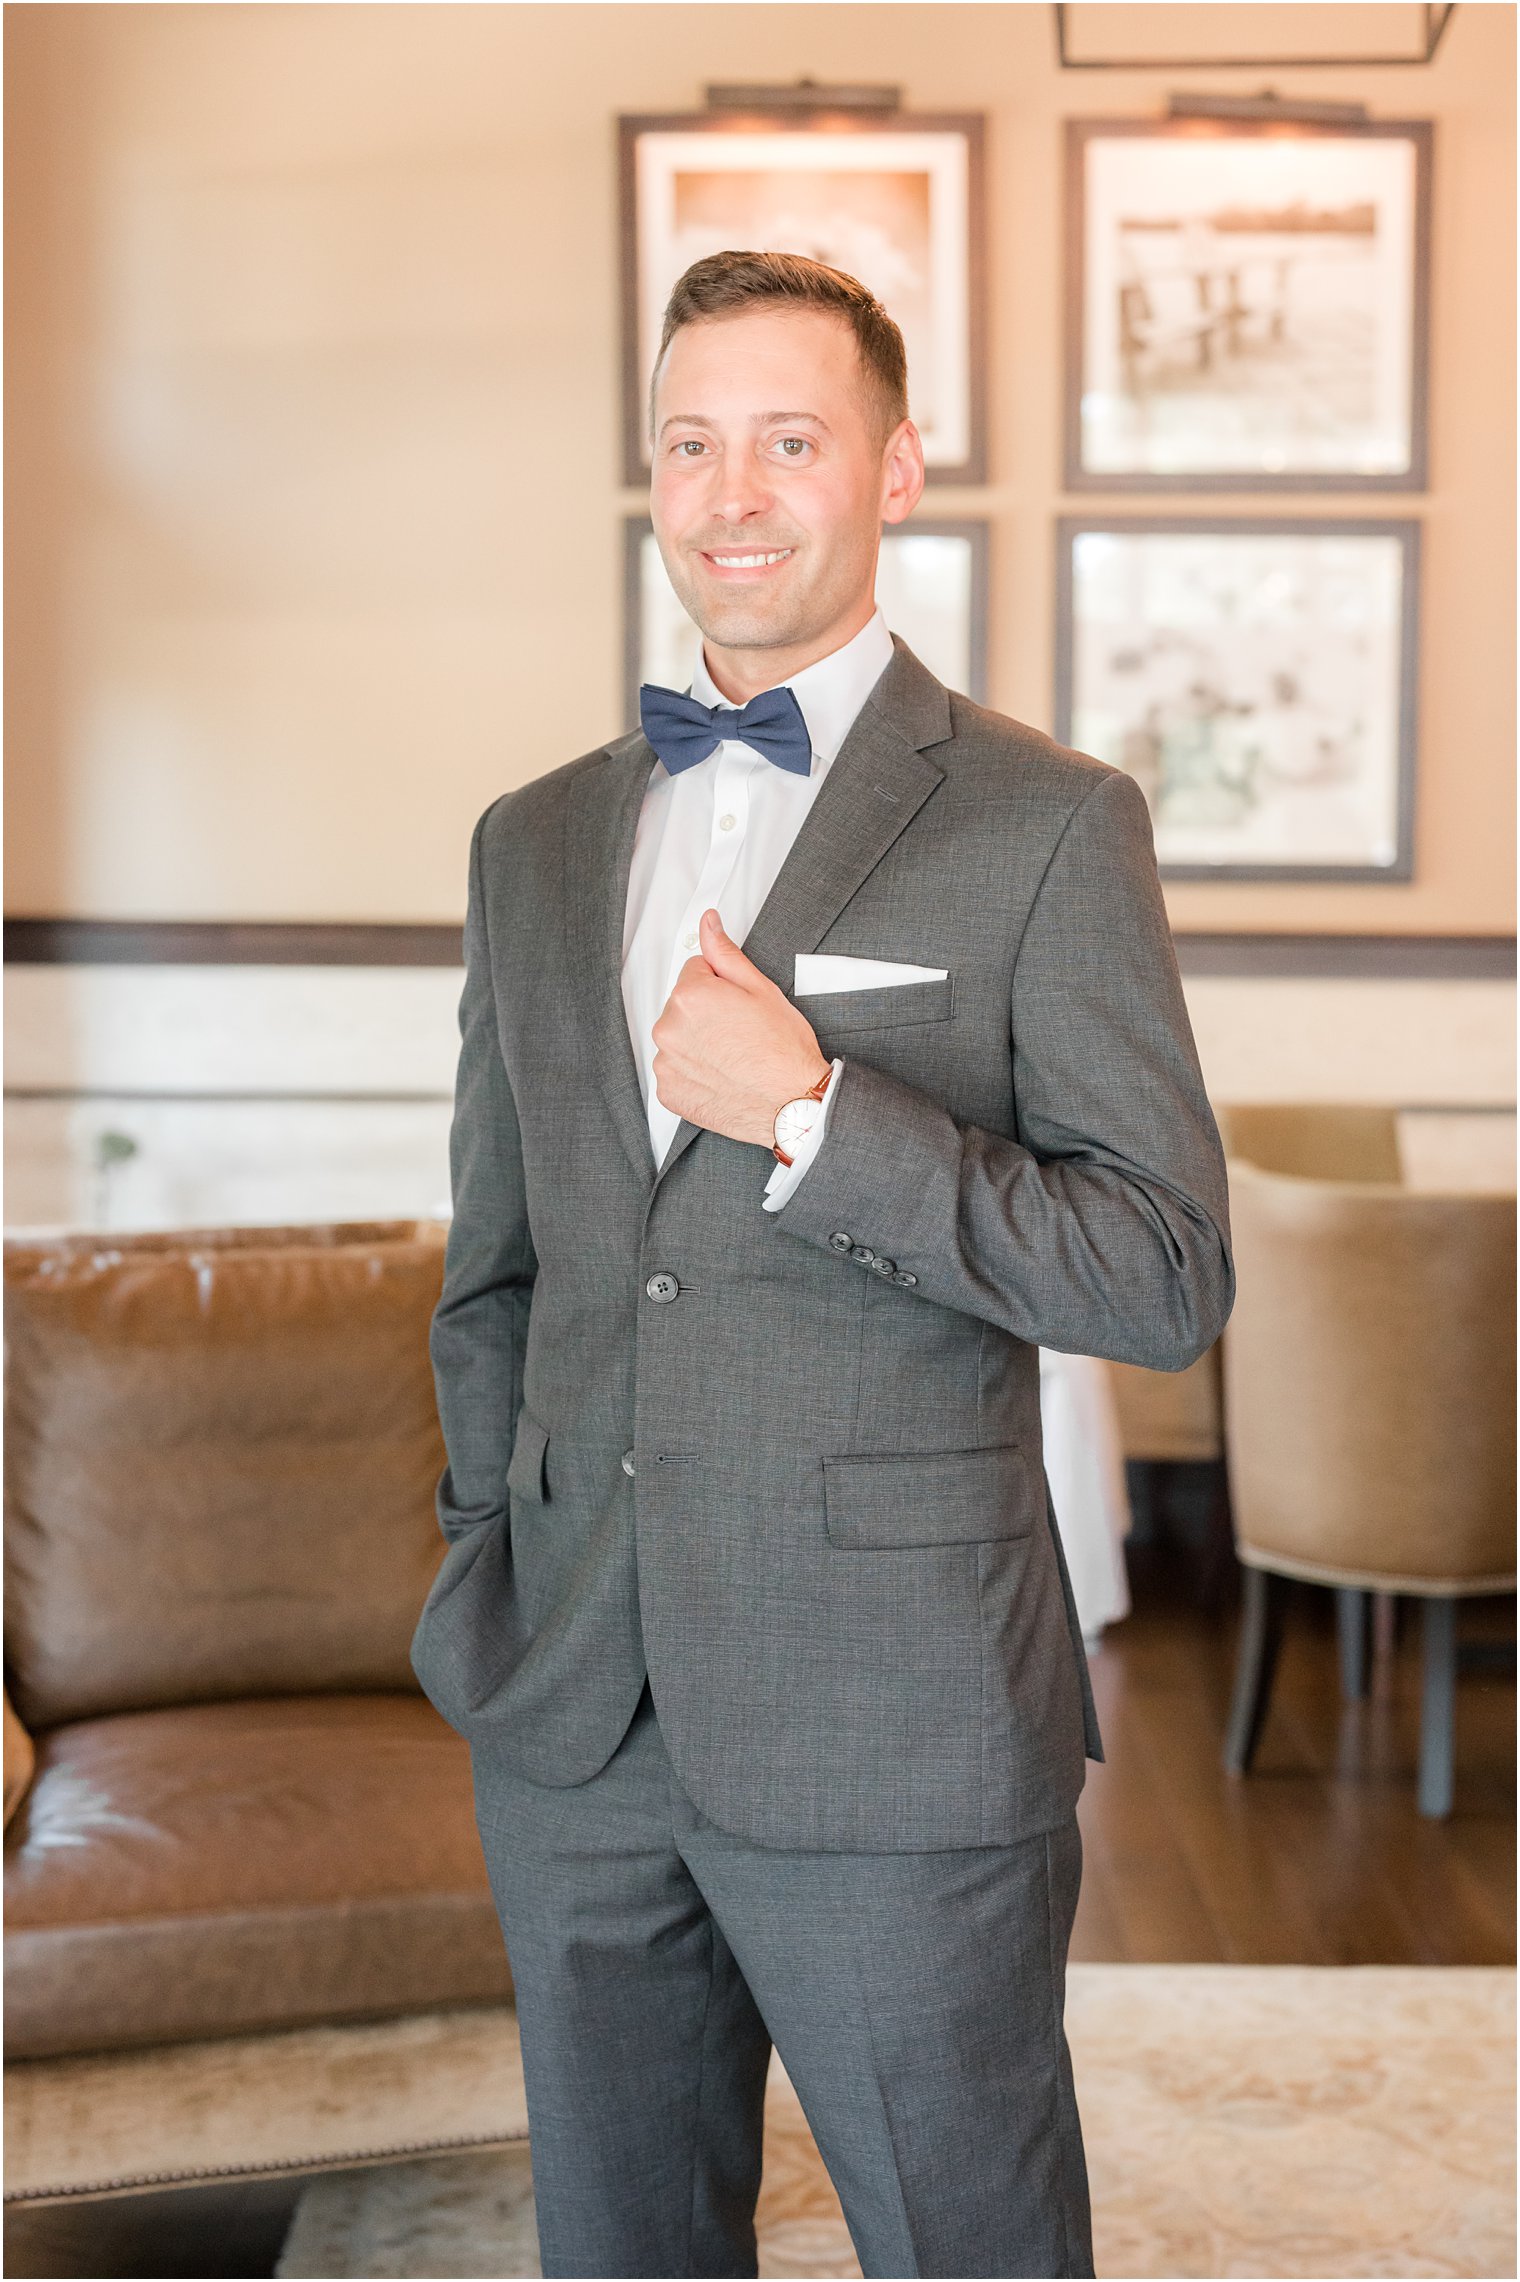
x: 881, y: 776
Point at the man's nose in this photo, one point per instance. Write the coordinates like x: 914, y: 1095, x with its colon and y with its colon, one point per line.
x: 741, y: 492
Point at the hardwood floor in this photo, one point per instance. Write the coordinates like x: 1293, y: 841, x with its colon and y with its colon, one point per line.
x: 1318, y: 1857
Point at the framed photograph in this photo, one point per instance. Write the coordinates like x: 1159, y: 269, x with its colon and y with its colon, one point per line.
x: 1257, y: 678
x: 931, y: 583
x: 896, y: 200
x: 1247, y: 305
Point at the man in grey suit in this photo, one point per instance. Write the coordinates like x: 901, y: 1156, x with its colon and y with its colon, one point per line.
x: 823, y: 1054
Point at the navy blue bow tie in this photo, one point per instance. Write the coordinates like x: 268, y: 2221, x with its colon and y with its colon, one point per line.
x: 683, y: 731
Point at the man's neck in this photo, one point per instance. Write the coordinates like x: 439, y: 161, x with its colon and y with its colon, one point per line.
x: 740, y: 675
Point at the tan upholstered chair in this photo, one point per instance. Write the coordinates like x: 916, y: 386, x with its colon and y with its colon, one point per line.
x: 1170, y: 1416
x: 1369, y: 1372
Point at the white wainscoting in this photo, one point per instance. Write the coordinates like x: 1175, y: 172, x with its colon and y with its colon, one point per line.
x: 293, y: 1093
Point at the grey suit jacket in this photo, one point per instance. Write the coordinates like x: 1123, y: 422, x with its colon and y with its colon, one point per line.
x: 789, y: 1463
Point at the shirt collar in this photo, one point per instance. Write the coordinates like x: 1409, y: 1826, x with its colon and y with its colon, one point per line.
x: 830, y: 692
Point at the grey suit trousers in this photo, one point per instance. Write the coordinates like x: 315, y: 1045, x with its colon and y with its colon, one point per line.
x: 915, y: 1999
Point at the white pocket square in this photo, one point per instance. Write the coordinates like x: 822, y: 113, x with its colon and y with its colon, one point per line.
x: 818, y: 972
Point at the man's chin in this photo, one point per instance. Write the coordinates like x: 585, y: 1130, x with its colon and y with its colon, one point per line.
x: 740, y: 626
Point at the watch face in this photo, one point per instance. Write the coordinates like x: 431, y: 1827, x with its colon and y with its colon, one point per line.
x: 794, y: 1118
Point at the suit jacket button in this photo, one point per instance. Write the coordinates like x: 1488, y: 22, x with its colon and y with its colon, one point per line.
x: 839, y: 1241
x: 902, y: 1276
x: 662, y: 1285
x: 627, y: 1461
x: 862, y: 1253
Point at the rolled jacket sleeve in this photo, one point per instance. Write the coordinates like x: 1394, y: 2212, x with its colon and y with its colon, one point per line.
x: 1102, y: 1228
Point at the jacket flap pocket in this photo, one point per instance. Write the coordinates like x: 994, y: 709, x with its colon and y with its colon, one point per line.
x: 879, y: 1006
x: 932, y: 1497
x: 525, y: 1474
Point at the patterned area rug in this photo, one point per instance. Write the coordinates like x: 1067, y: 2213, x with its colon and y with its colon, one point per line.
x: 1239, y: 2120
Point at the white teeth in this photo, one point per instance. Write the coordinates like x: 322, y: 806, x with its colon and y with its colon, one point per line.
x: 750, y: 562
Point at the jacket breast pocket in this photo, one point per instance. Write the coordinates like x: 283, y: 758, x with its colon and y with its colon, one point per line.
x: 930, y: 1497
x: 526, y: 1476
x: 884, y: 1006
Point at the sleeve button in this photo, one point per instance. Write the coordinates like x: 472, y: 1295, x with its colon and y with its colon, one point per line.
x: 902, y: 1276
x: 627, y: 1461
x: 862, y: 1253
x: 839, y: 1241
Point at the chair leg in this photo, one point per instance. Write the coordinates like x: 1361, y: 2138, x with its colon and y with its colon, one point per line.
x: 1351, y: 1631
x: 1261, y: 1626
x: 1438, y: 1705
x: 1219, y: 1564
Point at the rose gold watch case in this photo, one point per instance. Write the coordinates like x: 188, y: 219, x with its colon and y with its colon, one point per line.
x: 813, y: 1100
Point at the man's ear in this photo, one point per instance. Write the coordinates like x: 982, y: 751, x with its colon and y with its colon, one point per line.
x: 902, y: 475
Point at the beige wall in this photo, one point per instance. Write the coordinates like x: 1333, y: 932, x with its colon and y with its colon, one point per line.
x: 312, y: 451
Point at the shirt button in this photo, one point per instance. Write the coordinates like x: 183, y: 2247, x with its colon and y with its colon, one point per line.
x: 690, y: 942
x: 839, y: 1241
x: 727, y: 823
x: 662, y: 1285
x: 627, y: 1461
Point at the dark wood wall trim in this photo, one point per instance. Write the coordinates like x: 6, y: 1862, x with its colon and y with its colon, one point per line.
x: 278, y: 943
x: 227, y: 943
x: 1384, y: 958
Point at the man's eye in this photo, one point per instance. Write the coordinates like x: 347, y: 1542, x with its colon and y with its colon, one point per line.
x: 689, y: 445
x: 800, y: 441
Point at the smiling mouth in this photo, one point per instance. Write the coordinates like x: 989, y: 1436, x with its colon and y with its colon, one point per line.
x: 748, y: 561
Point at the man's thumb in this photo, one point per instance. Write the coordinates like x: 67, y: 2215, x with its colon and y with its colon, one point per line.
x: 718, y: 947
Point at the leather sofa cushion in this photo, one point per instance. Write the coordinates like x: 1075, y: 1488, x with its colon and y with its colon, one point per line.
x: 225, y: 1867
x: 26, y: 1248
x: 20, y: 1759
x: 221, y: 1460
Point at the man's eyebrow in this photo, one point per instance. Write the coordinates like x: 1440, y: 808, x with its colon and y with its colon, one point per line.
x: 761, y: 420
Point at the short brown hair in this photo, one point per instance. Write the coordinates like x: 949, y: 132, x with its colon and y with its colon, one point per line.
x: 721, y: 285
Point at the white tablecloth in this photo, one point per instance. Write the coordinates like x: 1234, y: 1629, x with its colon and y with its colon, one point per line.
x: 1084, y: 1459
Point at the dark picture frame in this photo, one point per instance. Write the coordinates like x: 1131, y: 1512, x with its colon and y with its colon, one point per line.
x: 1305, y: 737
x: 1216, y: 292
x: 973, y: 531
x: 950, y: 236
x: 1074, y: 54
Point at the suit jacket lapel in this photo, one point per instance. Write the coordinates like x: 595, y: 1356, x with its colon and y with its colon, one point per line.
x: 880, y: 777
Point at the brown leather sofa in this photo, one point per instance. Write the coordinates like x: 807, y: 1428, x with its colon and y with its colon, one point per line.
x: 221, y: 1454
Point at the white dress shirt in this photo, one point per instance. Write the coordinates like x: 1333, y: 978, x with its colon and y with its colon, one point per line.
x: 717, y: 835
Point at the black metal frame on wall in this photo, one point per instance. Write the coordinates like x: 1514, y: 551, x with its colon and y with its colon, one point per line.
x: 974, y: 530
x: 1434, y: 20
x: 1069, y: 528
x: 796, y: 117
x: 1081, y: 135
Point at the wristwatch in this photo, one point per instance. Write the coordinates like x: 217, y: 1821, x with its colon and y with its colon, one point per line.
x: 799, y: 1116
